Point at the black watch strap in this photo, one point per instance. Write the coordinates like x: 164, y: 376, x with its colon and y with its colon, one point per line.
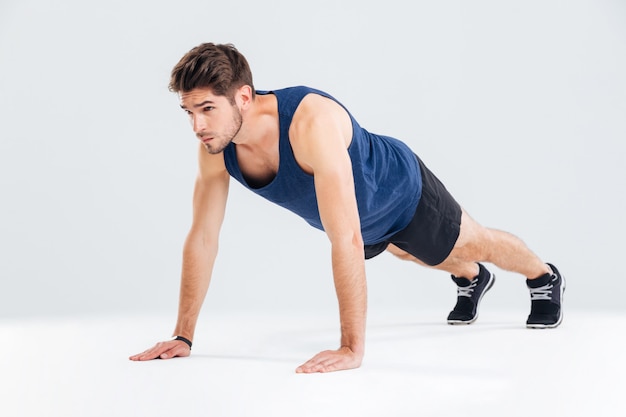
x: 184, y: 339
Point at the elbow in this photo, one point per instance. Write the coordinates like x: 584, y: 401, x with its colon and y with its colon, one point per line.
x: 201, y: 243
x: 348, y: 240
x: 357, y: 240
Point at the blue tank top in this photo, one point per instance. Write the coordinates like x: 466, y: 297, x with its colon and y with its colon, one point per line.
x: 387, y: 177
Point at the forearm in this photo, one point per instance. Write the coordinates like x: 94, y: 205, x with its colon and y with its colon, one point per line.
x: 198, y: 260
x: 351, y: 287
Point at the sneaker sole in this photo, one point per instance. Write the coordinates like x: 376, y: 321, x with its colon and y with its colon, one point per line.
x: 558, y: 322
x: 492, y: 280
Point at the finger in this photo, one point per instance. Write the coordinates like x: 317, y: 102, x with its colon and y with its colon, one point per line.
x: 330, y: 361
x: 316, y: 363
x: 306, y: 366
x: 320, y: 367
x: 141, y: 356
x: 328, y: 365
x: 146, y: 355
x: 152, y: 353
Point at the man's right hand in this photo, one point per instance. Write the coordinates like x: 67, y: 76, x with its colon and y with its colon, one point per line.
x: 164, y: 350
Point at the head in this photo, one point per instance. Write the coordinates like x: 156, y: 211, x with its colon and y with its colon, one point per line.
x: 209, y: 80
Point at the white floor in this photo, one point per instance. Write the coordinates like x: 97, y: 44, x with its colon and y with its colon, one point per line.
x: 244, y: 366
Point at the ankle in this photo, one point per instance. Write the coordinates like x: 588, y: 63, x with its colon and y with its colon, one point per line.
x: 469, y: 272
x: 546, y: 270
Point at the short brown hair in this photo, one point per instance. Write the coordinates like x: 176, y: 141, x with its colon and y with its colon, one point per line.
x: 222, y: 68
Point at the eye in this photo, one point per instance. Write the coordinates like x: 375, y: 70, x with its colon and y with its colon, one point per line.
x: 208, y: 108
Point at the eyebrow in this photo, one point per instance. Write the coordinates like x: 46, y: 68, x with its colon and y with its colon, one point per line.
x: 195, y: 106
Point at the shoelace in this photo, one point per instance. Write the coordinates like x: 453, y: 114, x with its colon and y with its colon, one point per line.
x: 467, y: 291
x: 542, y: 293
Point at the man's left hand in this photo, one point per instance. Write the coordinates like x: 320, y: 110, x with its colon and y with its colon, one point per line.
x: 332, y: 360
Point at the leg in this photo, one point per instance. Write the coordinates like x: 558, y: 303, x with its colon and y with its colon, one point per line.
x: 443, y: 236
x: 477, y: 243
x: 480, y: 244
x: 473, y: 280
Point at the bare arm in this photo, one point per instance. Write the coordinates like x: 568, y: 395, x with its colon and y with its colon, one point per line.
x: 320, y: 140
x: 199, y: 253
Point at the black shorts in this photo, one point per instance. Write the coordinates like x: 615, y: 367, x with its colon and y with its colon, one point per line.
x: 433, y: 230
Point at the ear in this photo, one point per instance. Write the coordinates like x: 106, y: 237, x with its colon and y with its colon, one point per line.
x: 243, y: 97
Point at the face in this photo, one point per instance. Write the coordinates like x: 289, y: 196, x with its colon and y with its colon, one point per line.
x: 215, y: 120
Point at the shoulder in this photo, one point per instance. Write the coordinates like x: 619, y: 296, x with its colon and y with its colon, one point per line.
x: 319, y: 123
x: 317, y: 107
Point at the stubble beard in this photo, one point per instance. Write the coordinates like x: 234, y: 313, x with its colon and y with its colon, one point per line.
x: 220, y: 142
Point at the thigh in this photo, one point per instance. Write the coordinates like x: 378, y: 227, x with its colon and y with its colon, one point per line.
x: 461, y: 261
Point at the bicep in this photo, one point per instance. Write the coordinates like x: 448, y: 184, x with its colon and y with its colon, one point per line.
x: 334, y: 182
x: 322, y: 132
x: 337, y: 200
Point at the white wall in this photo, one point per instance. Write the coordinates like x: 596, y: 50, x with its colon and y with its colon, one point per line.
x: 518, y: 106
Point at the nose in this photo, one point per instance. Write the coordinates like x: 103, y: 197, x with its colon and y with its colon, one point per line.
x: 199, y: 124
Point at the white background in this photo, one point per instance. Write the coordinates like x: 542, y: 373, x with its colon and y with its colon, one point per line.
x: 518, y: 106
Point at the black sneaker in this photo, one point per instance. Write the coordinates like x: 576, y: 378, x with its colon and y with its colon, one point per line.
x: 546, y: 298
x: 469, y: 295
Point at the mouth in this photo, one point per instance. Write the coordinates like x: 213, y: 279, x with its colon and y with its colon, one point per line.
x: 206, y: 140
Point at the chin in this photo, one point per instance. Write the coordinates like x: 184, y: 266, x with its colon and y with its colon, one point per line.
x: 215, y: 150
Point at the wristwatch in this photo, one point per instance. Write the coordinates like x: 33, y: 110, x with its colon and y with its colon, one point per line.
x: 184, y: 339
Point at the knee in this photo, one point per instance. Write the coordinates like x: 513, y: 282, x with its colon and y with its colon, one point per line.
x: 477, y: 246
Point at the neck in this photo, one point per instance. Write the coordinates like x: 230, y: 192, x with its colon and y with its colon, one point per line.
x: 260, y: 122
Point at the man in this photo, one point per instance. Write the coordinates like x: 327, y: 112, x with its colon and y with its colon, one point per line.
x: 301, y: 149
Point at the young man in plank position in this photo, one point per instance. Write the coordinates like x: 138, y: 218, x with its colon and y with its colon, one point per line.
x: 300, y: 148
